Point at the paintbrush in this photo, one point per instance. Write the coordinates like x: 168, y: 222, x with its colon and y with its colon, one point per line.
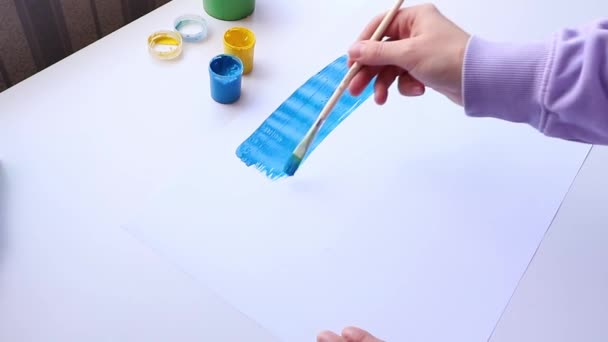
x: 298, y: 155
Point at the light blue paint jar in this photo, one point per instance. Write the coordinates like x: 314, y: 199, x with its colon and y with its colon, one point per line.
x: 225, y: 73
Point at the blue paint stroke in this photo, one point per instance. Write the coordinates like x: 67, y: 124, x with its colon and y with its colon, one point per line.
x: 271, y: 145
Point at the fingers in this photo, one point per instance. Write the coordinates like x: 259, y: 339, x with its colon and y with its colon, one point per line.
x: 328, y: 336
x: 398, y: 53
x: 352, y: 334
x: 371, y: 27
x: 402, y: 25
x: 385, y: 79
x: 409, y: 86
x: 402, y: 32
x: 395, y: 29
x: 362, y: 79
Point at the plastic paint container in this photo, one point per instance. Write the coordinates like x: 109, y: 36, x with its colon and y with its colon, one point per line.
x: 229, y: 10
x: 165, y: 44
x: 225, y: 73
x: 192, y: 28
x: 240, y: 42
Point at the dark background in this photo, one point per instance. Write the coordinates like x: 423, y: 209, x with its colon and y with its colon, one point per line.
x: 35, y: 34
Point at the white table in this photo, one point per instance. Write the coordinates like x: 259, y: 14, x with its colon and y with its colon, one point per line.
x: 69, y: 272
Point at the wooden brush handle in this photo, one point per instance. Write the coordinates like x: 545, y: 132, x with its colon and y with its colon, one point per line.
x: 388, y: 19
x: 356, y: 67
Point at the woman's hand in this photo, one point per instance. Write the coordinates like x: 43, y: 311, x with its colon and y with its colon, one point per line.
x: 350, y: 334
x: 423, y: 49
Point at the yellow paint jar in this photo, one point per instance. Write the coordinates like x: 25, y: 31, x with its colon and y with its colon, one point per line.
x: 240, y: 42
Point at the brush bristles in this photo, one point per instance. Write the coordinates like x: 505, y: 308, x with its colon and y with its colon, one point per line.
x: 292, y: 165
x: 298, y: 155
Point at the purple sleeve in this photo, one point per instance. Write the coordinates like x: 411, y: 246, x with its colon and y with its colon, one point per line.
x: 559, y: 87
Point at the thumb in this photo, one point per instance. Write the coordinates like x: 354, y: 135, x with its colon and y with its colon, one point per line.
x: 382, y: 53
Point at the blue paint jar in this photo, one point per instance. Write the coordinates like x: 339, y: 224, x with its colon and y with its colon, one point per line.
x: 226, y: 73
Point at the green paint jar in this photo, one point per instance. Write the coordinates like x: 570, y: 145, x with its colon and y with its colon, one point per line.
x: 229, y: 10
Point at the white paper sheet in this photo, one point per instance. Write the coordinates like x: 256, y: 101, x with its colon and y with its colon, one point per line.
x: 412, y: 221
x: 420, y: 233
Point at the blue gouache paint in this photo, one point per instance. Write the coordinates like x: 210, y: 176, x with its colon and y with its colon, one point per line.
x: 271, y: 145
x: 226, y: 72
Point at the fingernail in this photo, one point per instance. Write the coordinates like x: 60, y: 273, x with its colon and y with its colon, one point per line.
x: 355, y: 51
x: 417, y: 91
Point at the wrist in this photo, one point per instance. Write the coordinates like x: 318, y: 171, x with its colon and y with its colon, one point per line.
x: 504, y: 80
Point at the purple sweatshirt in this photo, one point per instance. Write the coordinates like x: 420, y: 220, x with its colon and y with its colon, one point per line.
x: 559, y: 87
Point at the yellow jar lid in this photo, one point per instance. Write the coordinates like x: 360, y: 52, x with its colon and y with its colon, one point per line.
x: 165, y: 44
